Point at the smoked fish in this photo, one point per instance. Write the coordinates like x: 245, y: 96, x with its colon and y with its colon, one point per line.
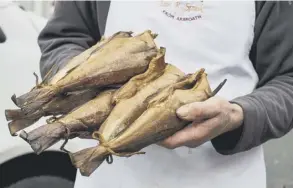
x: 133, y: 97
x: 58, y: 106
x: 113, y: 62
x: 157, y: 122
x: 84, y: 119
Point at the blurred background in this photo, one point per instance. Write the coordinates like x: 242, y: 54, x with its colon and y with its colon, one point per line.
x: 41, y: 8
x: 278, y: 153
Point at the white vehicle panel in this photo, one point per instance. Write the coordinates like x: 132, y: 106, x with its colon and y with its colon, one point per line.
x: 19, y: 58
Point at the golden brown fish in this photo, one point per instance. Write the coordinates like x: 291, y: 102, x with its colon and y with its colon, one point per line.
x: 79, y: 59
x: 21, y: 119
x: 158, y: 122
x: 134, y: 93
x: 84, y: 56
x: 85, y: 118
x: 115, y: 62
x: 132, y: 98
x: 58, y: 106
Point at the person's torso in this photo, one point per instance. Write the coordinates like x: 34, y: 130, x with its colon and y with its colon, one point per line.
x: 213, y: 35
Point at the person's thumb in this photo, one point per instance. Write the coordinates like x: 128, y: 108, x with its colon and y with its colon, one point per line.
x: 198, y: 111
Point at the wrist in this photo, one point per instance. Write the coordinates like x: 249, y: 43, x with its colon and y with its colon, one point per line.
x: 237, y: 116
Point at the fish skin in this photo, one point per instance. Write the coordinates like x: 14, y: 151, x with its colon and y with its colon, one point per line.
x: 120, y: 72
x: 88, y: 159
x: 132, y: 98
x: 155, y: 69
x: 85, y: 118
x: 129, y: 56
x: 158, y: 122
x: 114, y: 63
x: 76, y: 61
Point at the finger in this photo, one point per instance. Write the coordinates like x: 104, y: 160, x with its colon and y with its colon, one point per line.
x: 180, y: 138
x: 161, y: 143
x: 195, y: 144
x: 194, y: 135
x: 199, y: 111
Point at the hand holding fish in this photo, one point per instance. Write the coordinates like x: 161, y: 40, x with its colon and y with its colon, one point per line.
x: 210, y: 118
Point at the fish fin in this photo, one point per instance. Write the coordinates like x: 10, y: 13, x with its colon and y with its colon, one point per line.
x: 44, y: 136
x: 157, y: 65
x: 155, y: 69
x: 148, y: 37
x: 163, y: 94
x: 89, y: 159
x: 34, y: 99
x: 160, y: 96
x: 104, y: 41
x: 125, y: 92
x: 202, y: 84
x: 13, y: 99
x: 73, y: 64
x: 19, y: 124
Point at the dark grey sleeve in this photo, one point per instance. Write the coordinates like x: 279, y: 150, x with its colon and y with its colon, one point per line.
x: 72, y: 29
x: 268, y: 111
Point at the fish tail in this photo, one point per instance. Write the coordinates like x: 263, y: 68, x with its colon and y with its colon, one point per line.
x: 14, y: 114
x: 89, y: 159
x: 33, y: 100
x: 19, y: 124
x: 44, y: 136
x: 20, y: 120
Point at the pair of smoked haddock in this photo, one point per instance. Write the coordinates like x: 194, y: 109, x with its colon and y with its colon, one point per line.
x: 120, y: 92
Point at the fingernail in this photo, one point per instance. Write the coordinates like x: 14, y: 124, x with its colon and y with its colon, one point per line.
x: 183, y: 111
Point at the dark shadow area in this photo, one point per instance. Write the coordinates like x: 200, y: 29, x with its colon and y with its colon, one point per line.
x: 54, y: 164
x: 2, y: 36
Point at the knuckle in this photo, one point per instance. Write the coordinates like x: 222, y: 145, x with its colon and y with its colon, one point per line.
x: 195, y: 136
x: 198, y: 112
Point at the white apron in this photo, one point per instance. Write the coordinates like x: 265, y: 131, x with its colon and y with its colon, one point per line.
x: 216, y: 36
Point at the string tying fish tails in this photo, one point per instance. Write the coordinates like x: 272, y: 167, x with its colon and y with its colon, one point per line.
x: 66, y: 138
x: 40, y: 95
x: 37, y: 80
x: 68, y: 133
x: 98, y: 136
x: 57, y: 89
x: 51, y: 120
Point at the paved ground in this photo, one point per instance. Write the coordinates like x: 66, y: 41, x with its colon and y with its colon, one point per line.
x: 43, y: 182
x: 279, y: 160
